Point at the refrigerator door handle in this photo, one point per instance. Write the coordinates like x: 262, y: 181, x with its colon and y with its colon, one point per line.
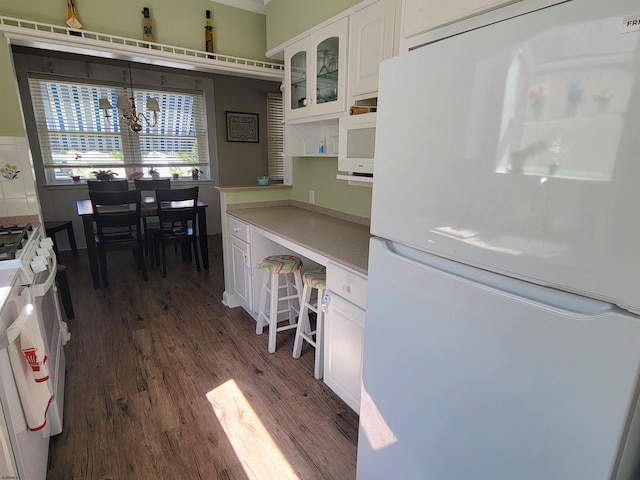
x: 569, y: 304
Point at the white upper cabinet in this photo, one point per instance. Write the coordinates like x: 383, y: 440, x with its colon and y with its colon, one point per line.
x: 315, y: 75
x: 423, y: 15
x: 371, y: 41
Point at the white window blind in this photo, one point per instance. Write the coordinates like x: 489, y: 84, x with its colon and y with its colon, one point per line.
x: 276, y: 136
x: 76, y: 138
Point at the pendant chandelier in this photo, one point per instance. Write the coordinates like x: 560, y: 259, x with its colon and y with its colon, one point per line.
x: 127, y: 113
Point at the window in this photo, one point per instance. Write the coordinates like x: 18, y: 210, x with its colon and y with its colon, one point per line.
x: 276, y: 136
x: 76, y: 138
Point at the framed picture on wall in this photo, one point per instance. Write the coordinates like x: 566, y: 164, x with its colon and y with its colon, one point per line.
x: 242, y: 127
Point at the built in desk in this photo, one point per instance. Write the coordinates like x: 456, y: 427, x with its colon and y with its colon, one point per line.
x: 313, y: 234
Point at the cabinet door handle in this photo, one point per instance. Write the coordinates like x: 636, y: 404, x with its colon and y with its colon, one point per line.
x: 325, y: 303
x: 346, y: 288
x: 236, y: 229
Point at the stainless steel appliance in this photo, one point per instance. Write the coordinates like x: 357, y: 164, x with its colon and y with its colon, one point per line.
x: 502, y: 336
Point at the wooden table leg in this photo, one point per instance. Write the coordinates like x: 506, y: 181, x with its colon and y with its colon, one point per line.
x: 92, y: 252
x: 72, y: 239
x: 202, y: 234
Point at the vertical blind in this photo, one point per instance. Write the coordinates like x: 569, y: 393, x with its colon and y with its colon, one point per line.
x: 74, y: 132
x: 276, y: 136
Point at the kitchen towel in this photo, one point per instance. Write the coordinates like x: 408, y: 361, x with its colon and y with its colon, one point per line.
x: 28, y: 358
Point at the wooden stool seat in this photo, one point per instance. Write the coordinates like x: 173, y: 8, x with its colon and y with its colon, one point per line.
x: 313, y: 279
x: 51, y: 228
x: 275, y: 267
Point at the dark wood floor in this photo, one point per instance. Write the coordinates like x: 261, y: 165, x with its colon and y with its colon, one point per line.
x: 164, y: 382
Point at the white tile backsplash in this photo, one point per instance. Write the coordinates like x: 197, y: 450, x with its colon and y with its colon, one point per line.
x: 33, y: 205
x: 18, y: 196
x: 13, y: 188
x: 17, y: 206
x: 8, y: 154
x: 25, y: 167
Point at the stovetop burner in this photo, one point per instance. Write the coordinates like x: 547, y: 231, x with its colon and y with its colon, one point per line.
x: 12, y: 240
x: 13, y: 228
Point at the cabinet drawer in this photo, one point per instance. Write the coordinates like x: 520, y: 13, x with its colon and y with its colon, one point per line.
x: 348, y: 284
x: 239, y: 229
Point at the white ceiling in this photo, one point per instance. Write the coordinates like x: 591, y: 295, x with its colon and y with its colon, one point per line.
x: 251, y: 5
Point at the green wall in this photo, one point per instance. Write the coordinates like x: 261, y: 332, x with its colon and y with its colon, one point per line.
x: 319, y: 174
x: 257, y: 195
x: 288, y: 18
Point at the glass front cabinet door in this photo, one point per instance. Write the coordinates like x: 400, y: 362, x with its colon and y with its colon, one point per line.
x: 315, y: 75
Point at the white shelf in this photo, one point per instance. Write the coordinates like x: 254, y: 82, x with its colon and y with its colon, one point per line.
x: 313, y: 155
x: 303, y: 139
x: 356, y: 180
x: 62, y: 38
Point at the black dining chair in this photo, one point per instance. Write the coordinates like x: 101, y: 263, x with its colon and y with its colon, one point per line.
x: 150, y: 223
x: 107, y: 185
x: 117, y: 217
x: 177, y: 214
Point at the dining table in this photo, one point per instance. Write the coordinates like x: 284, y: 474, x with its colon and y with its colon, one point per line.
x: 148, y: 207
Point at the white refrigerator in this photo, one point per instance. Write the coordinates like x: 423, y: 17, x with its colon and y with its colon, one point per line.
x: 502, y: 338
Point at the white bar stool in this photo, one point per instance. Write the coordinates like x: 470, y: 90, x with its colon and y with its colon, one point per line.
x: 275, y: 267
x: 316, y: 278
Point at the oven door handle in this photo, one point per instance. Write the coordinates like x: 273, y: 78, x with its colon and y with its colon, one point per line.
x: 41, y: 289
x: 15, y: 328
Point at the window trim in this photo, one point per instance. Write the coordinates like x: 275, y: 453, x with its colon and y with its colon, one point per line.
x: 130, y: 143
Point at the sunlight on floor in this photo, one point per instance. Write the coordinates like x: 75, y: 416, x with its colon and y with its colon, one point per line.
x: 260, y: 456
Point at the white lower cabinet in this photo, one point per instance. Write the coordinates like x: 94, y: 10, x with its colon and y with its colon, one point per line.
x: 344, y: 333
x: 241, y: 262
x: 241, y: 259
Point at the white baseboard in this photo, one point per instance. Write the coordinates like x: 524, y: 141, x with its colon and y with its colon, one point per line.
x: 229, y: 300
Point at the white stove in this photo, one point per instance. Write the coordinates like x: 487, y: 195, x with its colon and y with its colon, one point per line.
x: 19, y: 246
x: 23, y: 451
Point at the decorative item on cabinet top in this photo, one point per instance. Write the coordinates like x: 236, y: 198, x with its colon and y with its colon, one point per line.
x: 72, y: 12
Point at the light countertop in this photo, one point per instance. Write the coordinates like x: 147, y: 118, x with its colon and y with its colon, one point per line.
x: 343, y: 241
